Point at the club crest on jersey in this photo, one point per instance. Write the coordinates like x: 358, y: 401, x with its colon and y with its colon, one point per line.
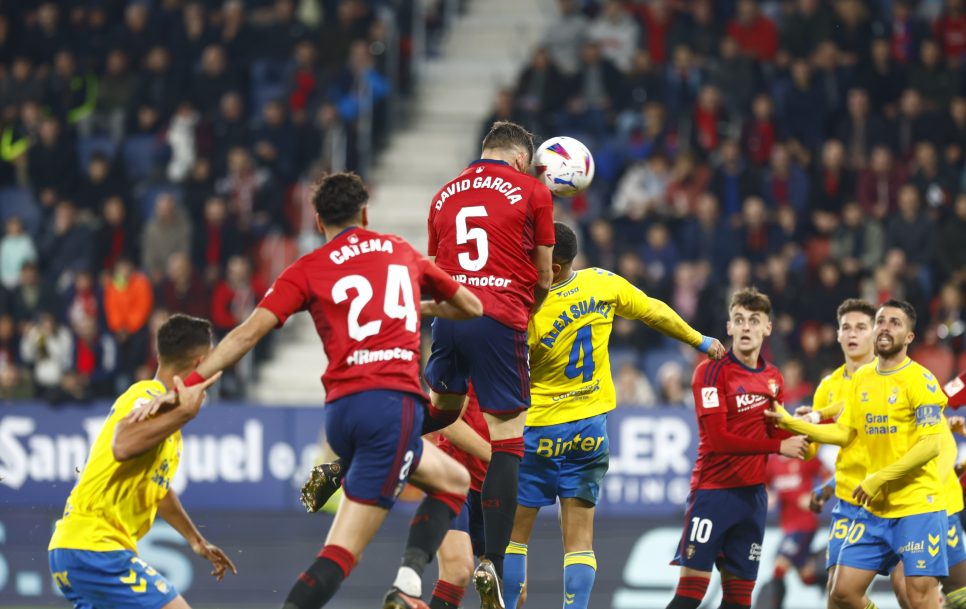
x: 895, y: 395
x: 773, y: 387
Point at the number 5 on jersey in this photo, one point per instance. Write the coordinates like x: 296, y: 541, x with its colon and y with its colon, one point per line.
x: 477, y: 235
x: 398, y: 303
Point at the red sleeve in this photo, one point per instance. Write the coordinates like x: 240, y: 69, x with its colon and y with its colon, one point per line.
x: 542, y: 205
x: 436, y: 281
x: 289, y: 294
x: 724, y: 442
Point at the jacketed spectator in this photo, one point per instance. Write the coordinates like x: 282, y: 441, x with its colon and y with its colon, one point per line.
x: 94, y: 357
x: 182, y: 290
x: 46, y: 349
x: 858, y: 242
x: 617, y: 33
x: 128, y: 300
x: 785, y: 183
x: 566, y: 35
x: 166, y: 233
x: 67, y: 245
x: 878, y: 184
x: 754, y: 32
x: 16, y: 249
x: 951, y: 258
x: 235, y: 296
x: 911, y: 230
x: 931, y: 78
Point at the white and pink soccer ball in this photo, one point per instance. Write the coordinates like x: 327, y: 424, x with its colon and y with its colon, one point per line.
x: 565, y: 165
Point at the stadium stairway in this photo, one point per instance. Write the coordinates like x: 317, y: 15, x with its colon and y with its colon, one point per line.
x: 482, y: 52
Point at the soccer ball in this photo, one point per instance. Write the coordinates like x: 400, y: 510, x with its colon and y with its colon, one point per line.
x: 565, y: 166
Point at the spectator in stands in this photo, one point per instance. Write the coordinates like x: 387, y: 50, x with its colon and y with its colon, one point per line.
x: 758, y: 237
x: 950, y: 315
x: 16, y: 249
x: 682, y: 81
x: 47, y: 348
x: 66, y: 245
x: 94, y: 357
x: 115, y: 90
x: 785, y: 183
x: 911, y: 230
x: 215, y: 240
x: 858, y: 242
x: 237, y: 36
x: 643, y: 189
x: 689, y: 179
x: 734, y: 72
x: 617, y: 33
x: 935, y: 184
x: 31, y: 294
x: 673, y: 386
x: 82, y: 300
x: 51, y: 161
x: 834, y: 183
x: 951, y: 261
x: 733, y: 181
x: 9, y: 342
x: 878, y: 184
x: 166, y: 233
x: 913, y: 124
x: 931, y: 78
x: 15, y: 385
x: 598, y: 82
x: 755, y: 33
x: 566, y: 35
x: 808, y: 25
x: 541, y: 89
x: 804, y: 107
x: 660, y: 252
x: 98, y: 184
x: 858, y: 131
x: 182, y: 290
x: 252, y: 195
x: 705, y: 237
x: 117, y: 235
x: 128, y: 300
x: 235, y: 296
x: 274, y: 142
x: 883, y: 78
x: 632, y: 387
x: 761, y: 132
x: 158, y: 84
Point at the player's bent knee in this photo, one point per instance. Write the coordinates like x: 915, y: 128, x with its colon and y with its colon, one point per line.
x: 446, y: 401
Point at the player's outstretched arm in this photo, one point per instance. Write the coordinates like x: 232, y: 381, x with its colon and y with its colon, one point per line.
x: 140, y: 431
x: 656, y: 314
x: 463, y: 305
x: 926, y: 448
x: 174, y: 514
x: 833, y: 433
x: 542, y: 257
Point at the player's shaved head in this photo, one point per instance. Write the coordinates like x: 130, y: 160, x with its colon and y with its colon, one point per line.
x: 339, y: 198
x: 182, y: 339
x: 752, y: 300
x: 565, y: 248
x: 855, y: 305
x: 506, y: 135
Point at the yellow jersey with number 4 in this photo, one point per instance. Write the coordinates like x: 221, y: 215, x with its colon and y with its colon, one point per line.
x: 570, y: 376
x: 890, y: 410
x: 850, y: 462
x: 114, y: 503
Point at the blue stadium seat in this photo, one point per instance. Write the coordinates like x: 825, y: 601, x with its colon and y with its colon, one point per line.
x: 20, y: 202
x: 140, y: 154
x: 88, y: 145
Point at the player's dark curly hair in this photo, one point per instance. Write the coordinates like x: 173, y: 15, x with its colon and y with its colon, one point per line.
x: 565, y: 249
x: 507, y: 134
x: 339, y: 197
x: 180, y: 338
x: 855, y: 305
x: 905, y: 307
x: 751, y: 299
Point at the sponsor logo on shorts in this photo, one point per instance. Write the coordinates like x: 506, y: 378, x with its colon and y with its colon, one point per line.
x: 754, y: 553
x: 913, y: 547
x: 689, y: 551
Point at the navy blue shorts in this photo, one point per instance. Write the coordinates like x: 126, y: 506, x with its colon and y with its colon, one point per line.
x: 376, y: 433
x: 797, y: 547
x: 724, y: 528
x: 470, y: 521
x: 109, y: 580
x: 495, y: 357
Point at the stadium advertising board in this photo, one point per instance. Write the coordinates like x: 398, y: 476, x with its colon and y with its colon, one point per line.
x: 270, y: 549
x: 242, y: 457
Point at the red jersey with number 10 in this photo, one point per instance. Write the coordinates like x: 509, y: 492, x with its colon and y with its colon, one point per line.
x: 363, y: 290
x: 483, y: 226
x: 735, y: 438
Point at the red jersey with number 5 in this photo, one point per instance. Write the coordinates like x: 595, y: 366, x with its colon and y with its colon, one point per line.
x: 483, y: 227
x: 735, y: 438
x: 363, y: 290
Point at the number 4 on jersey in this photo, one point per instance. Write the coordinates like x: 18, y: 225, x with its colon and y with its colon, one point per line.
x: 582, y: 355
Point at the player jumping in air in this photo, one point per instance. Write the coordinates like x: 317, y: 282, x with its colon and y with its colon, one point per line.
x: 894, y: 411
x: 566, y: 447
x: 126, y: 481
x: 363, y: 290
x: 491, y: 228
x: 726, y: 510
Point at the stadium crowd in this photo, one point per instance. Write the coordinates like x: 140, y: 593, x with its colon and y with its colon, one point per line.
x: 149, y: 152
x: 812, y: 148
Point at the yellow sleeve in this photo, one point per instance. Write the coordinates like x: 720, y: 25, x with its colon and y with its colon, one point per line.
x: 833, y: 433
x: 632, y: 303
x: 832, y: 411
x: 928, y: 401
x: 926, y: 448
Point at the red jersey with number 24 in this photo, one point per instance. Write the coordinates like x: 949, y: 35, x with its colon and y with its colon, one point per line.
x: 483, y: 226
x: 735, y: 438
x: 363, y: 290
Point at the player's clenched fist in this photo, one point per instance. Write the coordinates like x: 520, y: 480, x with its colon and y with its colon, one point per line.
x: 795, y: 447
